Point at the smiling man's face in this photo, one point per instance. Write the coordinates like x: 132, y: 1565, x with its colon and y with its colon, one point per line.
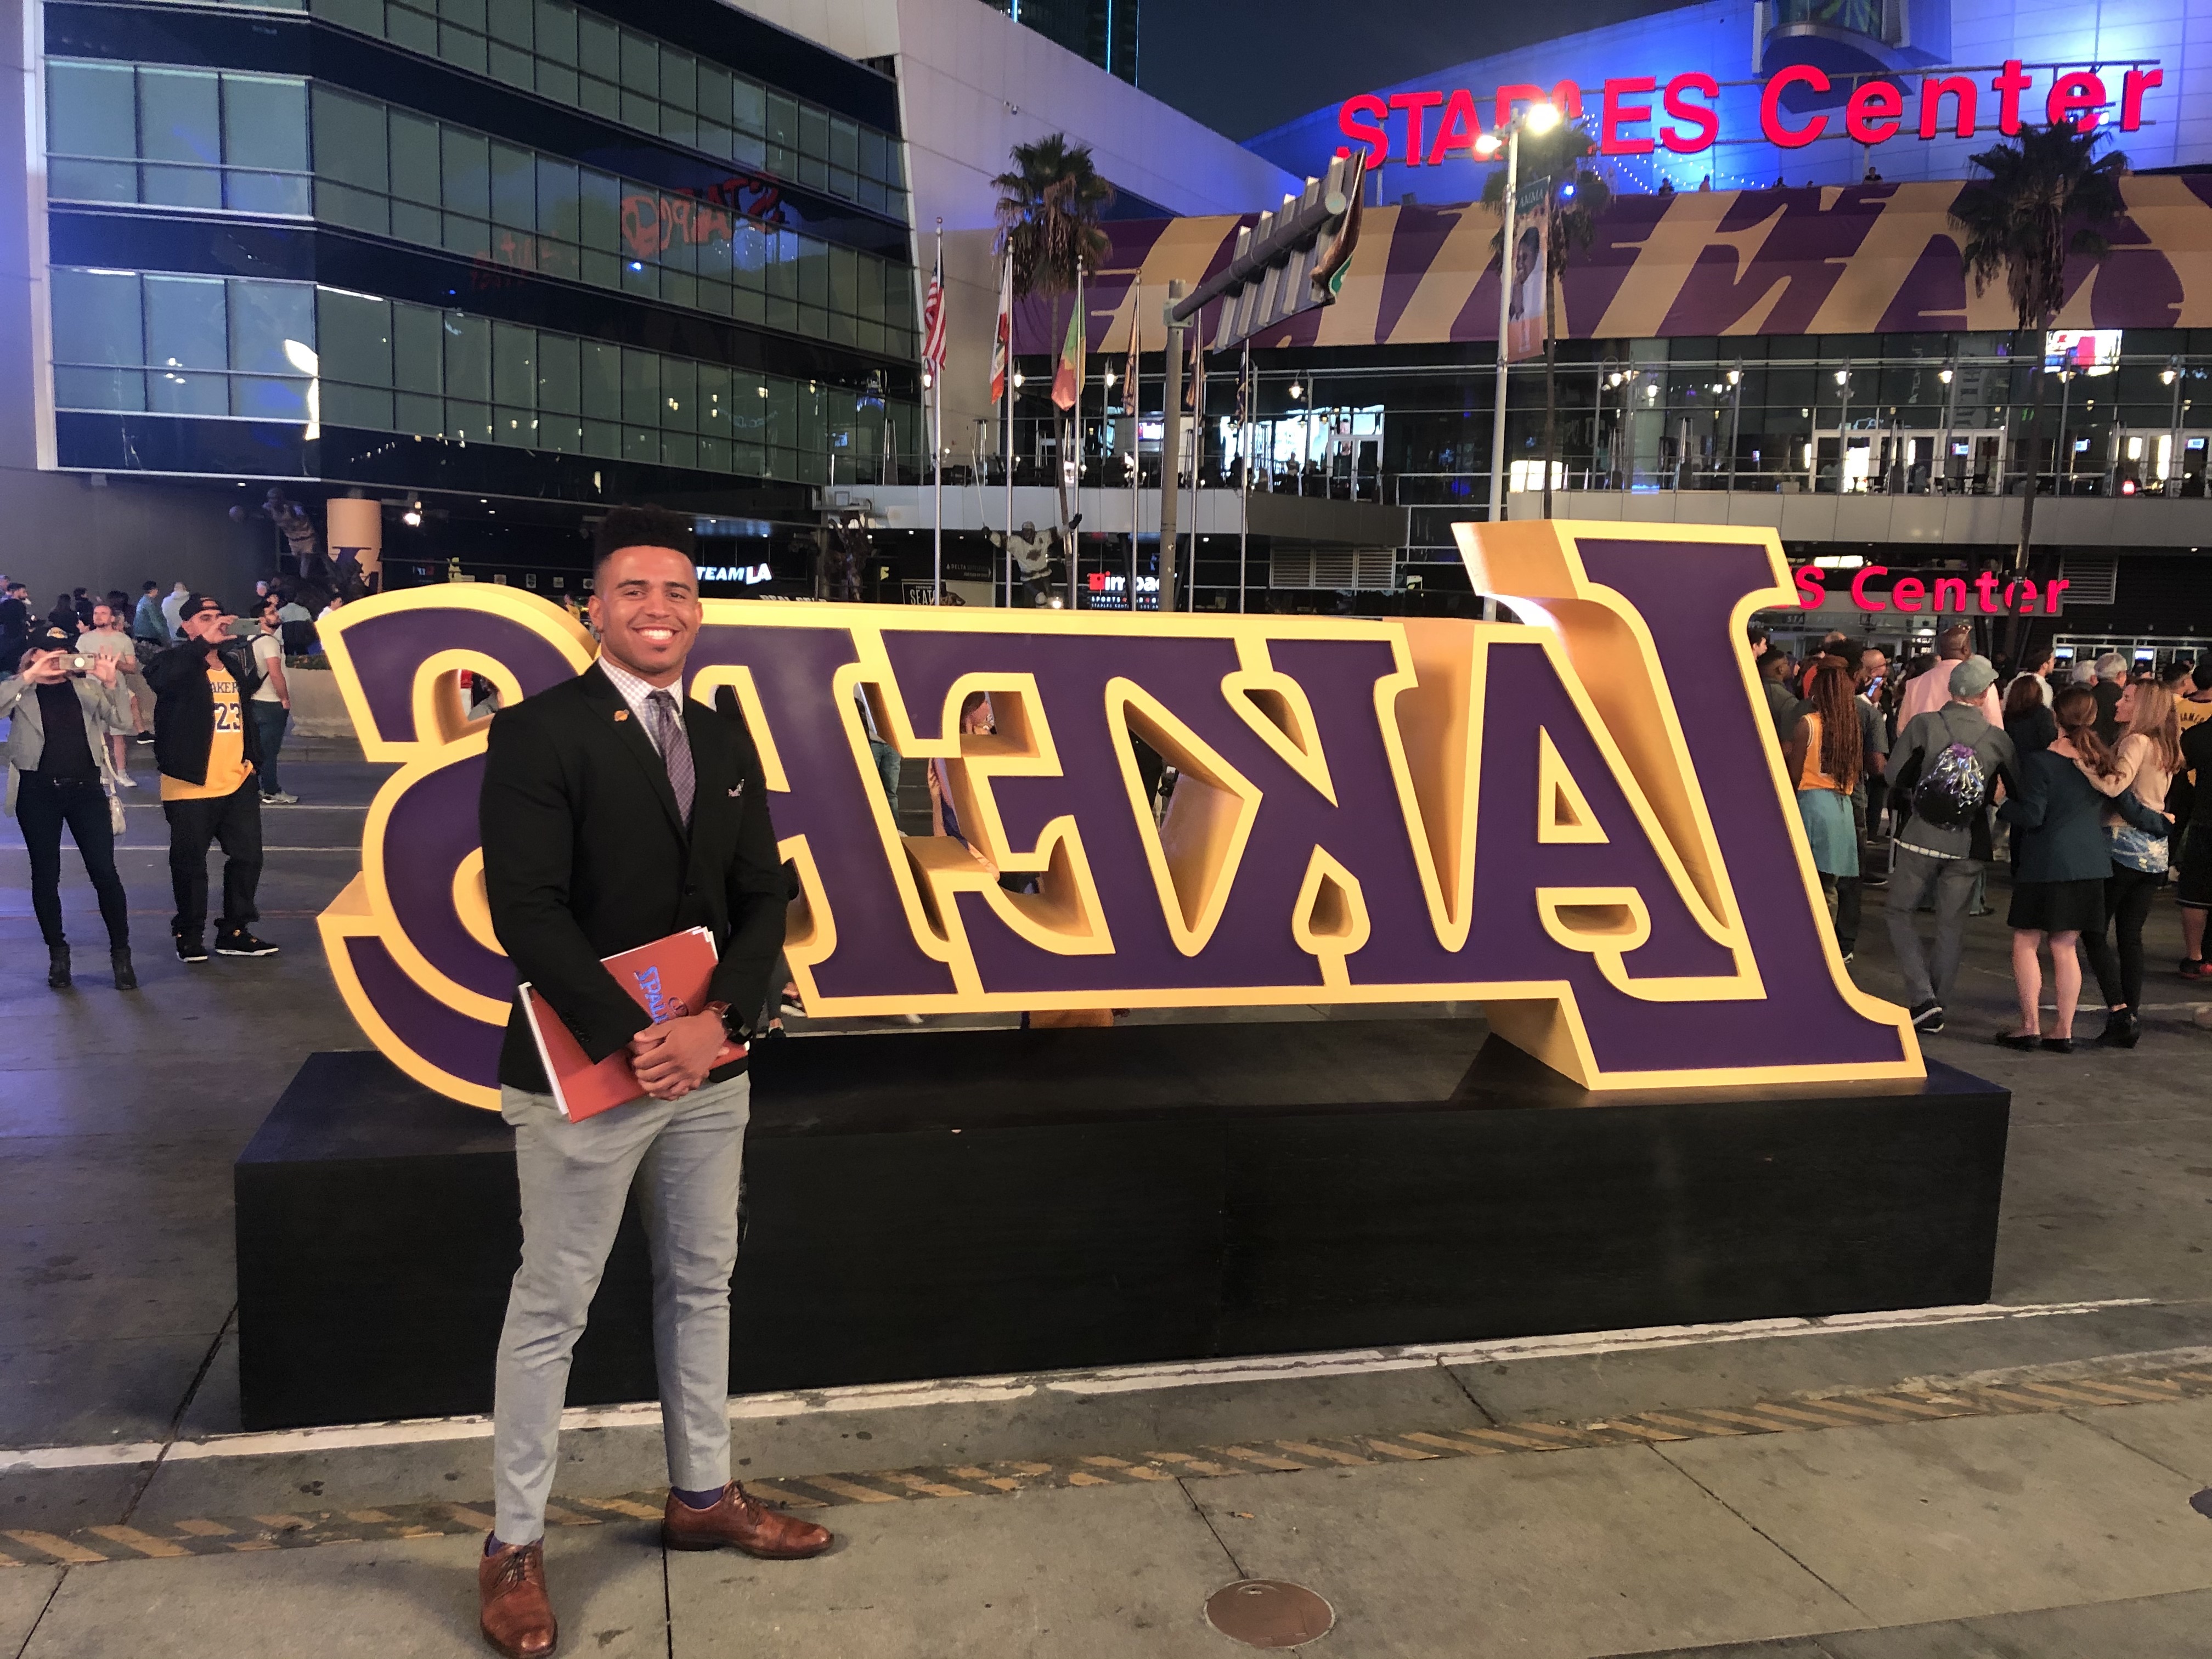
x: 645, y: 604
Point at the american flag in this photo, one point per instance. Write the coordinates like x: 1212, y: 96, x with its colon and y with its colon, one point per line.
x: 933, y: 317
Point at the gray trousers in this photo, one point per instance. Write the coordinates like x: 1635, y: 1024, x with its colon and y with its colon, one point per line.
x: 684, y: 1157
x: 1912, y: 876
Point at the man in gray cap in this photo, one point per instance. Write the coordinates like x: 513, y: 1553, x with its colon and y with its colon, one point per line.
x: 1944, y: 770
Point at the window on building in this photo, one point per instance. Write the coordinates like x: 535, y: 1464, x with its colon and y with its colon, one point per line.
x: 176, y: 138
x: 187, y: 344
x: 588, y: 61
x: 244, y: 347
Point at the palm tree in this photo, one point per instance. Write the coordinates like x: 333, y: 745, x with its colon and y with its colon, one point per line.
x: 2045, y: 199
x: 1579, y: 194
x: 1049, y: 203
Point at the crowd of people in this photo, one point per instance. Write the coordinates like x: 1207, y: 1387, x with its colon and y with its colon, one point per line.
x: 2088, y: 780
x: 97, y: 678
x: 1912, y: 782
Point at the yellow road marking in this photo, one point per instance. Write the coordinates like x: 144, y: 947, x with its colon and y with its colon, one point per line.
x: 1389, y: 1451
x: 1918, y: 1407
x: 1505, y: 1437
x: 1696, y: 1427
x: 144, y: 1542
x: 2066, y: 1394
x: 2149, y: 1393
x: 1264, y: 1460
x: 202, y: 1528
x: 1767, y: 1423
x: 1629, y: 1425
x: 1307, y: 1448
x: 1135, y: 1471
x: 621, y: 1506
x: 1198, y: 1464
x: 60, y: 1548
x: 1850, y: 1409
x: 1421, y: 1437
x: 1771, y: 1409
x: 1003, y: 1482
x: 1546, y: 1431
x: 934, y: 1488
x: 798, y: 1500
x: 848, y: 1489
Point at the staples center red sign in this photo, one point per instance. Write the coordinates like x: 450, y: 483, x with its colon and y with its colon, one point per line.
x: 1684, y: 120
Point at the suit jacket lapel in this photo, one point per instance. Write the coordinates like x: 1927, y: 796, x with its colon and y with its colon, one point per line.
x: 631, y: 736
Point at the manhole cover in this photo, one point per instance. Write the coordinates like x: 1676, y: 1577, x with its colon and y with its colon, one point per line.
x: 1267, y: 1612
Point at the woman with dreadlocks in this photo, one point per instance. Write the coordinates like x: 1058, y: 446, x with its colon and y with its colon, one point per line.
x: 1824, y: 755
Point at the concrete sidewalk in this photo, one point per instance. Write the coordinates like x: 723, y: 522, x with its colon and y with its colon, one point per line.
x: 1681, y: 1498
x: 2061, y: 1531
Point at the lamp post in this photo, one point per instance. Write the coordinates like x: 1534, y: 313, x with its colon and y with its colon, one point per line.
x: 1539, y: 117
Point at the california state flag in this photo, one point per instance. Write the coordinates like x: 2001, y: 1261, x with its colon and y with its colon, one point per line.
x: 1002, y: 337
x: 1068, y: 376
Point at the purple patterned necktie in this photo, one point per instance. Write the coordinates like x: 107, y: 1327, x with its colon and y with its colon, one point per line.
x: 675, y: 751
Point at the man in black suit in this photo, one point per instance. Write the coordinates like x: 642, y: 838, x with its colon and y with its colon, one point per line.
x: 613, y: 814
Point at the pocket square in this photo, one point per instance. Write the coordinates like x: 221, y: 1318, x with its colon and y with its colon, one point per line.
x: 737, y: 792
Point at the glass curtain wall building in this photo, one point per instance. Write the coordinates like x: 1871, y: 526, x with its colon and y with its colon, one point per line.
x: 553, y: 254
x: 1101, y: 32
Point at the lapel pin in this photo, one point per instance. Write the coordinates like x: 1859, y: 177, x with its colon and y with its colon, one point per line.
x: 622, y: 713
x: 737, y: 792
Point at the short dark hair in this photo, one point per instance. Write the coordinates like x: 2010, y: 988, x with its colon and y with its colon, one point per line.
x: 149, y: 587
x: 643, y: 526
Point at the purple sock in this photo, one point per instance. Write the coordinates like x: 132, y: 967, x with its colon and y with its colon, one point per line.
x: 699, y: 1500
x: 492, y: 1546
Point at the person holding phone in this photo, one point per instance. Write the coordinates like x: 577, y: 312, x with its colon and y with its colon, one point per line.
x: 61, y: 708
x: 208, y: 752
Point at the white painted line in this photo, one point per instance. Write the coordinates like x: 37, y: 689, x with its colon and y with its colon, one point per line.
x: 80, y: 1458
x: 296, y: 806
x: 352, y: 849
x: 994, y: 1390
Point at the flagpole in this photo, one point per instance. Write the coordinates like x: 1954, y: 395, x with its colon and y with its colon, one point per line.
x: 936, y: 444
x: 1131, y: 402
x: 1082, y: 373
x: 1197, y: 438
x: 1007, y: 403
x: 1244, y: 483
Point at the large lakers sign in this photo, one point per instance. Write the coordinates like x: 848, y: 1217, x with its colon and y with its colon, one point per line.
x: 1580, y: 821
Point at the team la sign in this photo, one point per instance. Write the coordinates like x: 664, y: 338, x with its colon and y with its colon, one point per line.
x: 1582, y: 822
x: 1637, y: 114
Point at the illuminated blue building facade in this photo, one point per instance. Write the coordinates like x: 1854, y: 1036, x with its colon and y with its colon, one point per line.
x: 1726, y: 78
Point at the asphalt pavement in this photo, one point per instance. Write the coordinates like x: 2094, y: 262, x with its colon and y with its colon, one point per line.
x: 2010, y: 1480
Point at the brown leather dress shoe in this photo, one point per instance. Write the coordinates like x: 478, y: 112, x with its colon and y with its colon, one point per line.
x: 739, y: 1523
x: 517, y: 1615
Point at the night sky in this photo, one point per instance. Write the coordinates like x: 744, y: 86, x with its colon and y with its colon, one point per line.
x: 1242, y: 66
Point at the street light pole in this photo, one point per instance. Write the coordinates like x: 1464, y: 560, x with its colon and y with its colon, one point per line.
x: 1505, y: 307
x: 1170, y: 435
x: 1538, y: 117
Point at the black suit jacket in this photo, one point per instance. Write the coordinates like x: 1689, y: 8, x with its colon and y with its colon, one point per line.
x: 585, y: 856
x: 184, y: 706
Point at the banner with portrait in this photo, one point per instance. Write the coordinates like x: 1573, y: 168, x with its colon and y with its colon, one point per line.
x: 1526, y: 322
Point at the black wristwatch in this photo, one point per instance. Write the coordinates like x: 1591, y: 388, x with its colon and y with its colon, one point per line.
x: 733, y: 1028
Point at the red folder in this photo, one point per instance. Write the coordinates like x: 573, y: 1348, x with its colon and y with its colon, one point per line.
x: 669, y: 978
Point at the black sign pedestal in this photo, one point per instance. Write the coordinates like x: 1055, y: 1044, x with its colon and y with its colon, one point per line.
x: 973, y: 1203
